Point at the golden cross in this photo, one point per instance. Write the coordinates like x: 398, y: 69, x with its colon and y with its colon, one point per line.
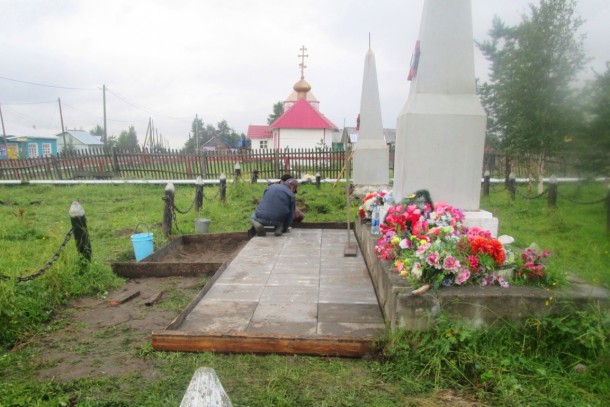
x: 302, y: 64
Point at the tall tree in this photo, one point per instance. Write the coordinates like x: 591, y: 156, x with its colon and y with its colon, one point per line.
x: 529, y: 94
x: 595, y: 141
x: 97, y: 131
x: 278, y: 110
x: 128, y: 140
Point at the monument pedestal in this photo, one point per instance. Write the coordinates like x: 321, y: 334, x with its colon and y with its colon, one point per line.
x: 481, y: 219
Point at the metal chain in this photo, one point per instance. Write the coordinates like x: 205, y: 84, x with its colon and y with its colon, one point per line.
x: 187, y: 211
x: 212, y: 198
x: 47, y: 265
x: 531, y: 197
x: 581, y: 203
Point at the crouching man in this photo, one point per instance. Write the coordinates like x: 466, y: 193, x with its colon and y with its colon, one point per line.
x: 276, y: 208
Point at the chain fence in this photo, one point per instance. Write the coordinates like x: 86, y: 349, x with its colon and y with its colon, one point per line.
x: 47, y: 265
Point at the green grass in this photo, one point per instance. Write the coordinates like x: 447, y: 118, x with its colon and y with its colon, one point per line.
x: 575, y: 234
x: 526, y: 364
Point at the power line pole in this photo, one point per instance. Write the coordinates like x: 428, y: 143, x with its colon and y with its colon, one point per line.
x: 197, y: 134
x: 63, y: 131
x: 105, y: 132
x: 3, y: 132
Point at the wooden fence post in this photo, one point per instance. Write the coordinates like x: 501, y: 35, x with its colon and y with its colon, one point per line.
x: 512, y: 186
x: 168, y: 210
x: 115, y: 163
x: 552, y: 198
x: 198, y: 194
x: 204, y: 165
x: 55, y: 166
x: 486, y: 180
x: 223, y: 188
x: 79, y: 228
x: 608, y: 211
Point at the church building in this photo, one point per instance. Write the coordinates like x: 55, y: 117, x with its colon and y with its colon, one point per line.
x: 301, y: 126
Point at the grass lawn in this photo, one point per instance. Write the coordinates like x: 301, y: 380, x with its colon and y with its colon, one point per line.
x: 530, y: 364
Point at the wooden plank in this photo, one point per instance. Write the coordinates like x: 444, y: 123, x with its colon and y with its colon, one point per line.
x: 177, y: 322
x: 123, y: 298
x: 158, y: 269
x: 154, y: 299
x: 240, y: 342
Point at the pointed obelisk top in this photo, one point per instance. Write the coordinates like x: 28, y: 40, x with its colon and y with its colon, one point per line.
x: 446, y: 62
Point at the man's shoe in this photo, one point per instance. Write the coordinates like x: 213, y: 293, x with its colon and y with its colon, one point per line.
x: 260, y: 229
x: 251, y: 232
x: 278, y: 230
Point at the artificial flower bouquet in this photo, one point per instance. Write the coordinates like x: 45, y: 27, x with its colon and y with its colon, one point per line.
x: 370, y: 199
x: 431, y: 247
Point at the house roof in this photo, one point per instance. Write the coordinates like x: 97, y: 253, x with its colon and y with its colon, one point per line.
x: 302, y: 116
x: 215, y: 142
x: 256, y: 131
x: 84, y: 137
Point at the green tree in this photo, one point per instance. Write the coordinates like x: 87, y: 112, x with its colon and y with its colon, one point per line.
x: 594, y: 144
x: 529, y: 97
x: 278, y: 110
x: 128, y: 140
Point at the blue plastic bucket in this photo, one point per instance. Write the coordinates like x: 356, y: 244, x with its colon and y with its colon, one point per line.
x: 142, y: 245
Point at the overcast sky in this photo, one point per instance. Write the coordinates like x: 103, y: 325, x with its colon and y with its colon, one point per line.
x: 223, y: 59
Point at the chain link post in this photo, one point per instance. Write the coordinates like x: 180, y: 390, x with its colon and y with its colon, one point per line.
x: 254, y: 176
x: 512, y: 185
x: 198, y: 194
x: 237, y: 170
x: 79, y: 227
x: 223, y: 188
x: 552, y: 198
x: 168, y: 210
x: 608, y: 211
x: 486, y: 181
x: 318, y: 178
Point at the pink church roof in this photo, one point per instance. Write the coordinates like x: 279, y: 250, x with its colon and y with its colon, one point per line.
x: 302, y: 116
x: 258, y: 131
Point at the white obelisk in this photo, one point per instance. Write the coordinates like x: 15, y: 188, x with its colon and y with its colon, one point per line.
x: 440, y: 132
x: 371, y: 159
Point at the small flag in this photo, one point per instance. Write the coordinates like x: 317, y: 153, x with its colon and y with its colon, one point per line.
x: 414, y: 62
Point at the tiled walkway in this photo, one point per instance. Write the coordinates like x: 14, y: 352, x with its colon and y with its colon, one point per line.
x: 297, y: 284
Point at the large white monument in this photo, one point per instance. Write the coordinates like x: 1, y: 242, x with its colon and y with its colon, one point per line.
x: 371, y: 159
x: 440, y: 132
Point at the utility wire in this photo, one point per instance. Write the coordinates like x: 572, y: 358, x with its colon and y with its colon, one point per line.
x: 143, y: 108
x: 29, y: 103
x: 45, y: 85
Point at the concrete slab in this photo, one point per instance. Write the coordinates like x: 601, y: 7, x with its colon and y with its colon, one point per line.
x: 282, y: 293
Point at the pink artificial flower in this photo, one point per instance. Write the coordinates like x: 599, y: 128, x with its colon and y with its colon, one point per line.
x: 463, y: 276
x: 451, y: 264
x: 434, y: 260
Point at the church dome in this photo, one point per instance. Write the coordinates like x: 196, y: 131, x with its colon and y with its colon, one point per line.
x: 302, y: 86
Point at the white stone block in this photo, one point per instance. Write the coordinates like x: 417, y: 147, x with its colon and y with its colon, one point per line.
x: 482, y: 219
x: 205, y: 390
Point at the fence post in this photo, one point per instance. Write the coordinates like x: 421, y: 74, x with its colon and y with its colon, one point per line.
x: 55, y: 166
x: 168, y: 210
x: 486, y: 180
x: 318, y: 180
x: 512, y: 185
x: 115, y: 163
x: 198, y: 194
x: 255, y: 176
x: 79, y: 228
x: 276, y: 162
x: 552, y: 198
x: 237, y: 170
x: 608, y: 211
x: 223, y: 188
x: 204, y: 164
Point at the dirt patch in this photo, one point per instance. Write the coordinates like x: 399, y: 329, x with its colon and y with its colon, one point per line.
x: 97, y: 339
